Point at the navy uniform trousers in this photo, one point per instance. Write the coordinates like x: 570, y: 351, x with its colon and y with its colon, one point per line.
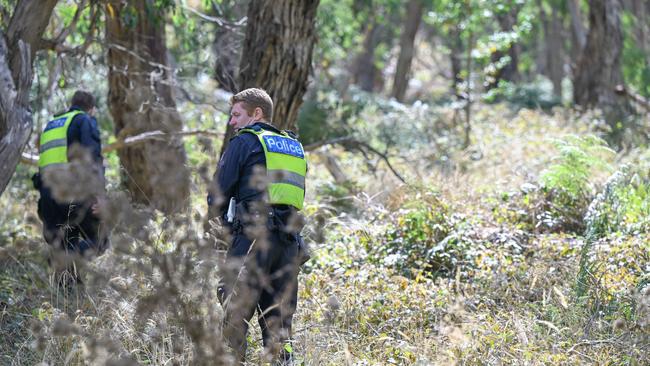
x: 260, y: 275
x: 70, y: 227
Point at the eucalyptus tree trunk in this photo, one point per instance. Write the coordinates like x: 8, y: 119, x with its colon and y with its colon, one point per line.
x: 510, y: 71
x: 365, y: 70
x: 598, y: 72
x: 455, y: 44
x: 553, y: 49
x: 578, y: 31
x: 227, y: 42
x: 140, y: 99
x: 407, y: 50
x: 277, y: 54
x: 641, y: 11
x: 377, y: 30
x: 555, y: 53
x: 17, y: 49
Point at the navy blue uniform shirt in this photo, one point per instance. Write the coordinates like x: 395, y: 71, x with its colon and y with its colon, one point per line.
x: 237, y: 167
x: 83, y: 130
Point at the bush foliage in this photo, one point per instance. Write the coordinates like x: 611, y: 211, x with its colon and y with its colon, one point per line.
x: 415, y: 238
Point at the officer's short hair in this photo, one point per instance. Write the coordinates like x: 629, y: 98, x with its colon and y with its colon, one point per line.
x: 254, y: 98
x: 83, y: 100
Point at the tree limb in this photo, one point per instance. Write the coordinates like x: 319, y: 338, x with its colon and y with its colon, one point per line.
x: 156, y: 135
x: 66, y: 31
x: 219, y: 21
x: 57, y: 44
x: 334, y: 141
x: 383, y: 156
x: 32, y: 159
x: 351, y: 143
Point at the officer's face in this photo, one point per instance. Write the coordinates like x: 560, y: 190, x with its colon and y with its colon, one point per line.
x: 239, y: 117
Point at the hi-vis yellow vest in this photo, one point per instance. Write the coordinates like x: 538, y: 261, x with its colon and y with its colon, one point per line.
x: 54, y: 140
x: 286, y: 167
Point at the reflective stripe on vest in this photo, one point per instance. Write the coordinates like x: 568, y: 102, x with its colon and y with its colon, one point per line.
x: 286, y: 167
x: 54, y: 140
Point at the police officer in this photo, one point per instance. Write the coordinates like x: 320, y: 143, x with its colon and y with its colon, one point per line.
x: 263, y: 169
x: 71, y: 183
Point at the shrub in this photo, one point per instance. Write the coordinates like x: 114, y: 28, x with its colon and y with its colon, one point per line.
x: 418, y: 238
x: 385, y: 124
x: 623, y: 206
x: 538, y: 94
x: 518, y: 208
x: 578, y: 156
x: 559, y: 201
x: 621, y: 209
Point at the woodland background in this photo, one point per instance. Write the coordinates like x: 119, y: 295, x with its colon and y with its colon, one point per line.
x: 478, y: 191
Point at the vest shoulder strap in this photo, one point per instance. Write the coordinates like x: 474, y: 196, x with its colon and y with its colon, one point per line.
x: 257, y: 130
x: 68, y: 114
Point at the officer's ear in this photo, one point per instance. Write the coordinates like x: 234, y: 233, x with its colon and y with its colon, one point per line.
x: 258, y: 114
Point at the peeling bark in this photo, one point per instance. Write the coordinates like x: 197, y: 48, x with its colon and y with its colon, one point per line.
x: 17, y: 50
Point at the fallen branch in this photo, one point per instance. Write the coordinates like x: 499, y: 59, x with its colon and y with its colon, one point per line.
x: 335, y: 170
x: 591, y: 343
x: 635, y: 97
x: 32, y: 159
x: 156, y: 135
x: 351, y: 143
x: 383, y: 156
x: 549, y: 325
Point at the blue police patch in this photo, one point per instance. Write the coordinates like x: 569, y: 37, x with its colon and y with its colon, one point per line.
x: 284, y: 145
x: 56, y: 123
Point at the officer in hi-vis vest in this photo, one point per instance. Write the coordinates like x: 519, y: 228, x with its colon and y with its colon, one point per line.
x: 71, y: 182
x: 261, y: 187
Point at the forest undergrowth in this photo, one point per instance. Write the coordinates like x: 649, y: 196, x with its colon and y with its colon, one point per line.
x: 531, y: 246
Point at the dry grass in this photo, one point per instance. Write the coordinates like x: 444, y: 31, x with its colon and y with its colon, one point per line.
x: 507, y: 308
